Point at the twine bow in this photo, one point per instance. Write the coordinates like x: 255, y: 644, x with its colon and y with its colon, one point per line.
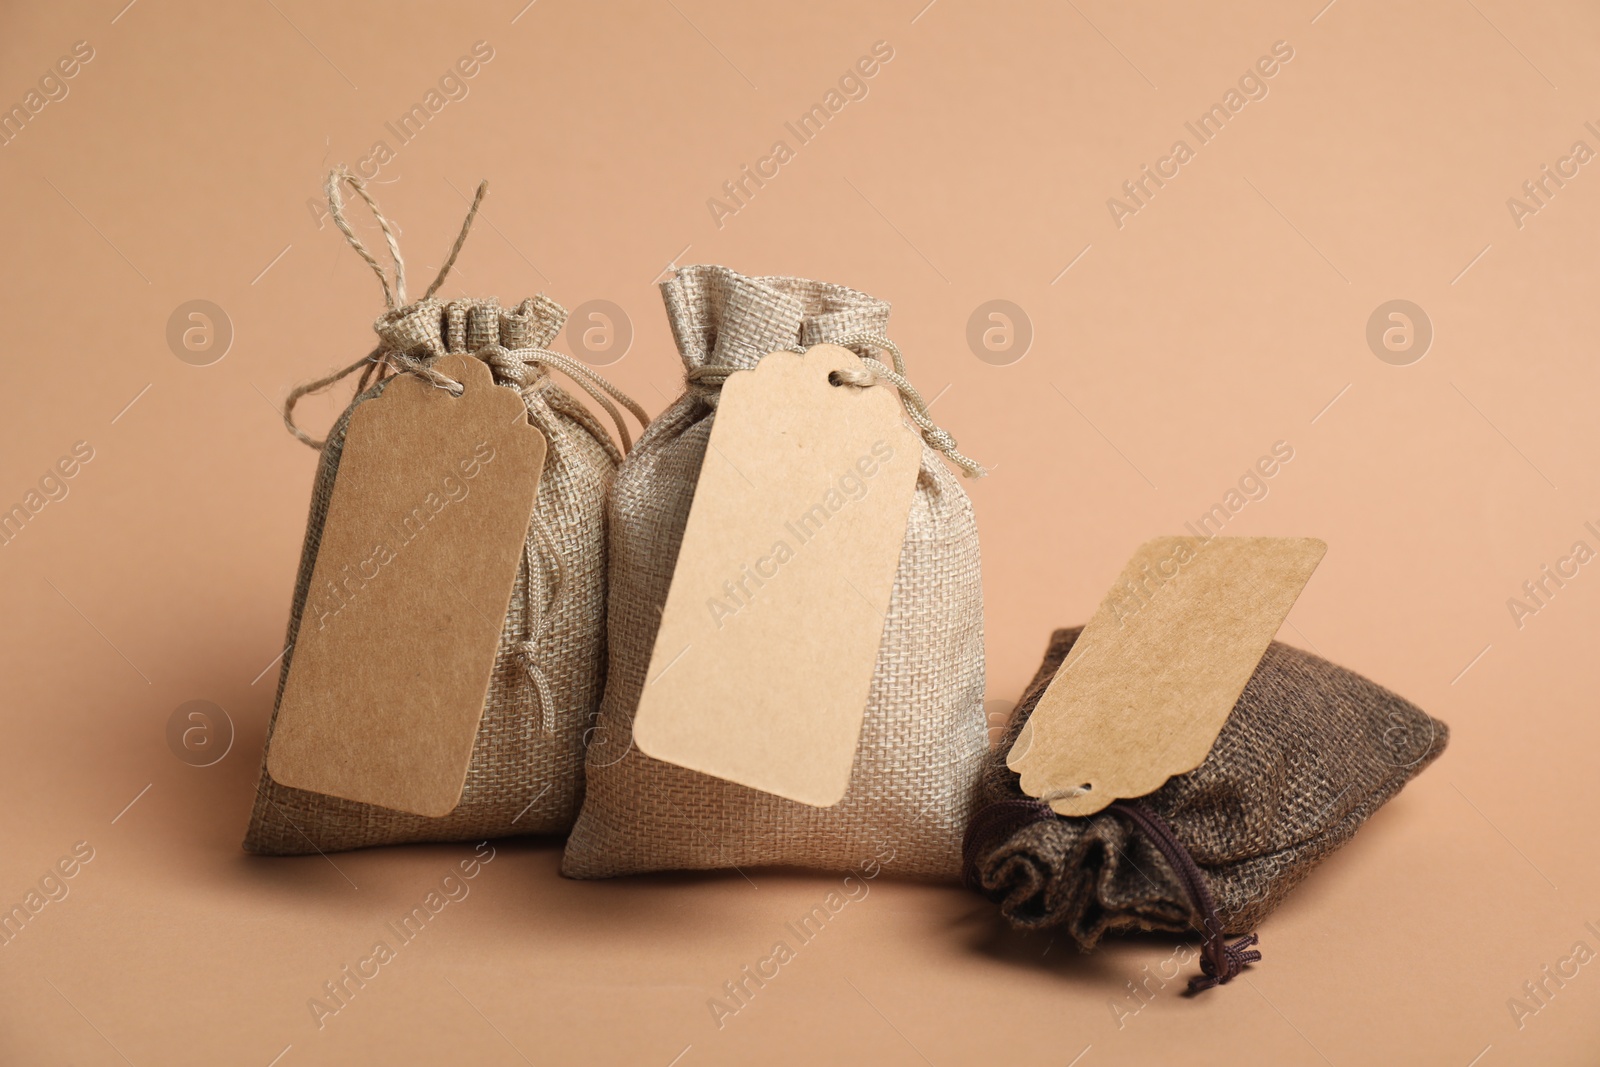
x: 405, y: 346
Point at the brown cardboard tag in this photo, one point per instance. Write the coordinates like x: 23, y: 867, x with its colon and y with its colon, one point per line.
x: 764, y: 660
x: 408, y: 597
x: 1150, y: 682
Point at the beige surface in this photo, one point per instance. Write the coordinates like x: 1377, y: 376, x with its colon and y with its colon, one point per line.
x: 1226, y: 314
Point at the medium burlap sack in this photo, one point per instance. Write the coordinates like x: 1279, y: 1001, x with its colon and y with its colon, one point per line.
x: 526, y: 769
x: 922, y: 739
x: 1308, y: 753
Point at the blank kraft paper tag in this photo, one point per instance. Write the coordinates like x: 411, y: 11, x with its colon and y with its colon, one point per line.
x: 1152, y: 678
x: 414, y: 574
x: 764, y: 661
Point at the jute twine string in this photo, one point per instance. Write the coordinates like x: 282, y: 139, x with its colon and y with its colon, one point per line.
x: 872, y: 370
x: 341, y: 175
x: 510, y: 365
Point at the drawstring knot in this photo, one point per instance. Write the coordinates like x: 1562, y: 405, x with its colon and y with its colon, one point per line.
x: 1221, y: 960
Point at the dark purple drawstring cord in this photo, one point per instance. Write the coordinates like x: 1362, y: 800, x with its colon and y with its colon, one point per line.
x: 1220, y: 961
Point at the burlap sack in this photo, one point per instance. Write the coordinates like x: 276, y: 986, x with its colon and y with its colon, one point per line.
x: 526, y: 770
x: 1308, y: 753
x: 922, y: 741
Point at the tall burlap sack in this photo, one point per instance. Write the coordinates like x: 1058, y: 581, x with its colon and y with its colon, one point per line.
x: 526, y: 771
x: 1307, y: 755
x: 922, y: 739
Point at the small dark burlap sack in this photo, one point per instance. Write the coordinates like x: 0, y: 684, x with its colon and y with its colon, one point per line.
x: 922, y: 739
x: 1308, y: 753
x: 526, y: 769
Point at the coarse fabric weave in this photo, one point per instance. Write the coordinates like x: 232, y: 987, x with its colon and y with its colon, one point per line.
x: 922, y: 739
x: 523, y: 778
x: 1308, y: 753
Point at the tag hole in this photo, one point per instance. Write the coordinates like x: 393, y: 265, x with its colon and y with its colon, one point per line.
x: 834, y: 379
x: 1086, y: 787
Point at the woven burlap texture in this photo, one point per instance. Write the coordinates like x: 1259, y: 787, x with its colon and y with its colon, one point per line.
x: 1308, y: 753
x: 922, y: 739
x: 520, y: 779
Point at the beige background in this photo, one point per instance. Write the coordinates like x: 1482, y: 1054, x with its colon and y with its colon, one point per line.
x: 1227, y: 314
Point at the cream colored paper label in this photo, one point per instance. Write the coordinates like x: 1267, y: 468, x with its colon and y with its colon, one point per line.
x: 408, y: 597
x: 769, y: 637
x: 1153, y: 676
